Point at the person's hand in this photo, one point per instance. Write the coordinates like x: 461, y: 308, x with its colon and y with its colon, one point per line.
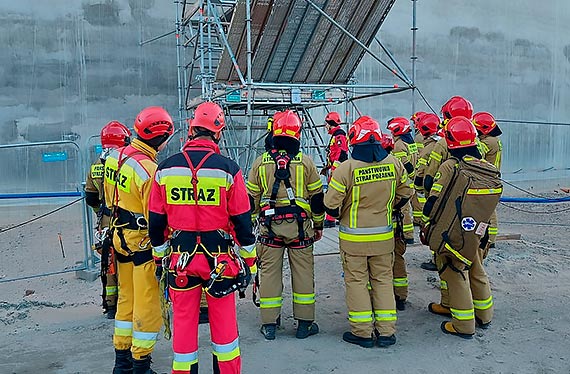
x: 423, y: 235
x: 318, y: 234
x: 324, y: 171
x: 158, y: 273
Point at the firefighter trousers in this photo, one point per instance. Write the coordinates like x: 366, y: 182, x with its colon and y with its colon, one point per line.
x: 223, y: 331
x: 138, y: 319
x: 408, y: 226
x: 469, y: 294
x: 374, y: 308
x: 301, y: 263
x: 417, y: 202
x: 400, y: 280
x: 111, y: 290
x: 493, y: 228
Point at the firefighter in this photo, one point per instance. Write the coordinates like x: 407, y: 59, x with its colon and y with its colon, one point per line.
x: 286, y: 194
x: 489, y: 133
x: 113, y: 135
x: 406, y: 151
x: 464, y: 195
x: 427, y: 126
x: 418, y: 138
x: 200, y: 196
x: 337, y: 152
x: 128, y: 180
x: 365, y: 192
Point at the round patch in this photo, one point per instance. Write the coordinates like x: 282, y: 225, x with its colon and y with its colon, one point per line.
x: 181, y: 281
x: 468, y: 223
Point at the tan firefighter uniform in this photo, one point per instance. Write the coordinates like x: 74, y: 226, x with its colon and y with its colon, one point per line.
x: 407, y: 153
x: 128, y: 180
x: 365, y: 194
x: 94, y: 184
x: 400, y: 272
x: 417, y: 200
x: 419, y: 140
x: 287, y: 227
x: 456, y: 237
x: 493, y: 149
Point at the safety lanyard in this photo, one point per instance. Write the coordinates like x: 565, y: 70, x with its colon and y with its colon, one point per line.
x: 282, y: 173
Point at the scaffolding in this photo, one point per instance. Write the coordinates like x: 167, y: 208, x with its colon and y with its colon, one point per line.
x: 255, y: 57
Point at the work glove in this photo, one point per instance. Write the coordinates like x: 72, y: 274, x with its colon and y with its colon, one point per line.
x: 423, y: 235
x: 324, y: 171
x: 318, y: 234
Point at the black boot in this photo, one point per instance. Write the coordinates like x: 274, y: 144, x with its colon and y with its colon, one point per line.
x: 111, y: 311
x: 142, y: 366
x: 123, y: 362
x: 306, y: 329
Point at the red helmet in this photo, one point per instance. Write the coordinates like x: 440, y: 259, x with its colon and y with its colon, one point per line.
x: 387, y: 142
x: 460, y: 133
x: 209, y: 116
x: 115, y: 135
x: 364, y: 130
x: 152, y: 122
x: 416, y: 117
x: 484, y: 122
x: 287, y: 123
x: 333, y: 117
x: 399, y: 126
x: 428, y: 124
x: 456, y: 106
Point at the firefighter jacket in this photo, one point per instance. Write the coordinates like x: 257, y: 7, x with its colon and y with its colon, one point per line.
x: 94, y: 193
x: 207, y: 197
x: 363, y: 194
x: 419, y: 140
x: 337, y: 150
x: 422, y: 163
x: 464, y: 195
x: 307, y: 188
x: 438, y: 154
x: 407, y: 154
x: 493, y: 149
x: 128, y: 180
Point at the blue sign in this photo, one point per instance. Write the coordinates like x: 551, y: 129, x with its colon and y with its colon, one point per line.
x: 318, y: 95
x: 98, y: 149
x: 54, y: 156
x: 233, y: 96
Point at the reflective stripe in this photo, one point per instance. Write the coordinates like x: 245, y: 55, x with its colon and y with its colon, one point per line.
x: 285, y: 202
x: 484, y: 191
x: 335, y: 164
x: 144, y: 339
x: 400, y: 282
x: 304, y: 298
x: 422, y: 161
x: 369, y: 286
x: 443, y: 285
x: 408, y: 228
x: 436, y: 156
x: 270, y: 302
x: 318, y: 217
x: 390, y: 202
x: 184, y: 361
x: 178, y: 171
x: 422, y: 200
x: 483, y: 304
x: 252, y: 187
x: 366, y: 238
x: 463, y: 314
x: 359, y: 317
x: 299, y: 181
x: 337, y: 186
x: 353, y: 219
x: 399, y: 155
x: 436, y: 187
x: 226, y: 352
x: 385, y: 315
x: 263, y: 177
x: 425, y: 218
x: 123, y: 328
x: 315, y: 185
x: 458, y: 255
x: 111, y: 290
x: 493, y: 230
x: 420, y: 145
x: 417, y: 213
x: 365, y: 230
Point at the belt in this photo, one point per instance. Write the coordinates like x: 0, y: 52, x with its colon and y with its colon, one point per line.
x: 129, y: 220
x: 365, y: 230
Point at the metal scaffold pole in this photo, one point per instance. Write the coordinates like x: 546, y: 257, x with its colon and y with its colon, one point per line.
x: 414, y: 57
x: 180, y: 67
x: 249, y: 118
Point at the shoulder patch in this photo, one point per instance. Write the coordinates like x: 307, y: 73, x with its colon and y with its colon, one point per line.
x: 468, y: 223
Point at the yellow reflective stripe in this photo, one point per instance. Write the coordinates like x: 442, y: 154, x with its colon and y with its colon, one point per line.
x: 336, y: 164
x: 425, y: 218
x: 436, y: 187
x: 404, y: 178
x: 366, y: 238
x: 252, y: 187
x: 318, y: 217
x: 422, y: 161
x: 226, y: 352
x: 123, y: 328
x: 337, y: 186
x: 385, y: 315
x: 263, y: 177
x: 400, y: 282
x: 484, y: 191
x: 463, y: 314
x: 458, y: 255
x: 390, y: 202
x: 420, y: 145
x: 443, y: 285
x: 498, y: 158
x: 270, y: 302
x: 436, y: 156
x: 399, y: 155
x: 299, y: 181
x: 417, y: 213
x: 422, y: 200
x: 144, y: 339
x: 369, y: 286
x: 353, y: 219
x: 360, y: 316
x: 408, y: 228
x: 483, y: 304
x: 111, y: 290
x: 493, y: 230
x: 184, y: 361
x: 315, y: 185
x: 303, y: 298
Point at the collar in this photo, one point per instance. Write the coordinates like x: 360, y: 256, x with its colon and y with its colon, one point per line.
x: 201, y: 143
x: 144, y: 148
x: 333, y: 129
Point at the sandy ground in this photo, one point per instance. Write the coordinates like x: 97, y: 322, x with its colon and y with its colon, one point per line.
x: 60, y: 329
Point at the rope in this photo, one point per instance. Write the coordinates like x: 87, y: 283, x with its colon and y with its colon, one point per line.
x: 3, y: 230
x: 535, y: 212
